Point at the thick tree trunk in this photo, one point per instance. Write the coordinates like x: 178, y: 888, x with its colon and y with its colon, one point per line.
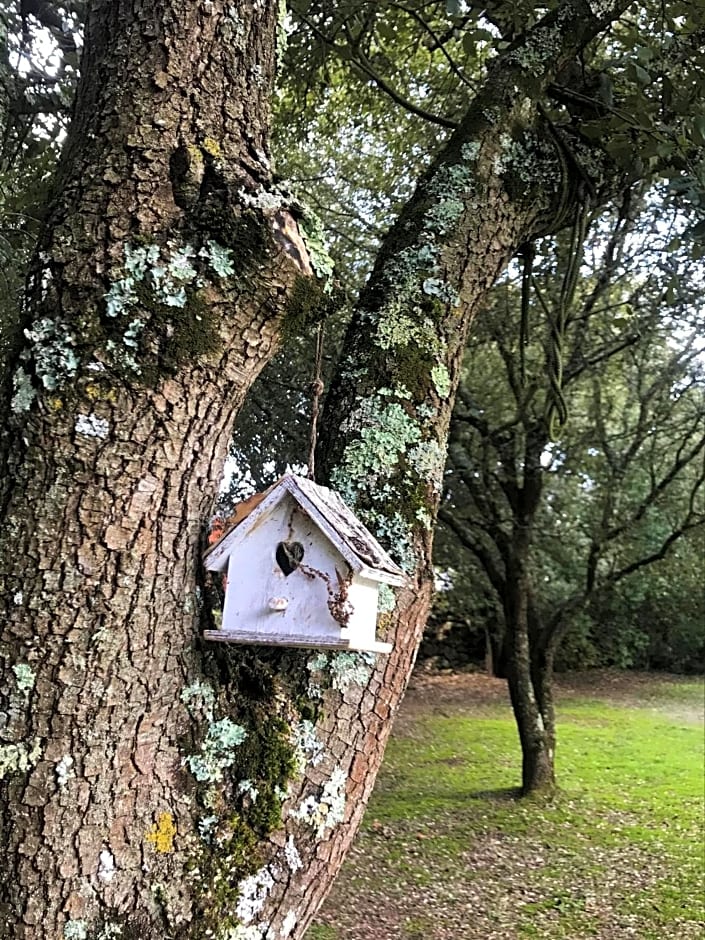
x: 148, y: 783
x: 157, y: 296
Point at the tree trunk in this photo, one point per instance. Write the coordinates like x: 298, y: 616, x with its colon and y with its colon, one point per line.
x: 149, y: 783
x: 536, y: 729
x: 123, y: 402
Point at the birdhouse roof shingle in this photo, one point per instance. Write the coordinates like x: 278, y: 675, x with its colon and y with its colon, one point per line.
x: 336, y: 521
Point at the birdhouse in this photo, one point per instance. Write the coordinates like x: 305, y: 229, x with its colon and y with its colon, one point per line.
x: 300, y: 570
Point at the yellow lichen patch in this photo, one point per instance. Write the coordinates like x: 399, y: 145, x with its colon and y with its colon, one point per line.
x: 212, y: 147
x: 162, y: 833
x: 383, y: 621
x: 55, y: 403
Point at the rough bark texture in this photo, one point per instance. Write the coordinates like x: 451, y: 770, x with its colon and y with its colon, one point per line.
x: 120, y: 425
x: 109, y: 473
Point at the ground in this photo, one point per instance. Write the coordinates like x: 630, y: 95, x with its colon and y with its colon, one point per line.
x: 447, y: 851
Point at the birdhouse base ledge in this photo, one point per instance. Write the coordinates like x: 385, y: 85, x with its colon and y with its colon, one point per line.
x: 306, y: 642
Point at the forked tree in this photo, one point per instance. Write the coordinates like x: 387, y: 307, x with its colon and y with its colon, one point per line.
x: 152, y: 785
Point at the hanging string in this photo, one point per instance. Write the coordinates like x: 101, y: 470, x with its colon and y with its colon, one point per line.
x: 317, y: 392
x: 528, y: 253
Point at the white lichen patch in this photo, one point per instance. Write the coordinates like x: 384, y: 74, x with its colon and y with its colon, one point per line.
x: 92, y: 426
x: 253, y: 893
x: 75, y: 930
x: 427, y: 461
x: 386, y: 599
x: 307, y: 748
x: 64, y: 771
x: 24, y: 678
x: 199, y: 699
x: 291, y: 853
x: 18, y: 758
x: 311, y: 229
x: 338, y: 670
x: 18, y: 598
x: 248, y: 932
x: 316, y: 666
x: 385, y: 433
x: 219, y: 258
x: 351, y: 669
x: 288, y: 924
x: 543, y: 47
x: 206, y: 827
x: 435, y: 287
x: 395, y: 530
x: 247, y: 788
x: 52, y: 351
x: 179, y: 263
x: 110, y: 931
x: 328, y: 811
x: 471, y: 150
x: 264, y: 199
x: 441, y: 380
x: 23, y: 391
x: 217, y: 751
x: 167, y: 273
x: 106, y: 866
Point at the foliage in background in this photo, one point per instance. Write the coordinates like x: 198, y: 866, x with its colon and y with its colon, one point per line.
x: 39, y: 49
x: 622, y: 483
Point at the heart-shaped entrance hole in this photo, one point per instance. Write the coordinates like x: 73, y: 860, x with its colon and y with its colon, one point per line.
x: 289, y: 556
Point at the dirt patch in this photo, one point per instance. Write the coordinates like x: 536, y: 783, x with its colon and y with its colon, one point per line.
x: 453, y: 693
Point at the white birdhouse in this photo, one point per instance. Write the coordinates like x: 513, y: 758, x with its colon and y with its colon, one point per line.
x: 302, y: 570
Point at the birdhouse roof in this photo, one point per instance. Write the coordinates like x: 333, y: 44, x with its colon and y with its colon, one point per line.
x: 336, y: 521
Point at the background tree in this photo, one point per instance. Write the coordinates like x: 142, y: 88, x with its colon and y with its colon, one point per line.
x: 144, y: 775
x: 555, y: 526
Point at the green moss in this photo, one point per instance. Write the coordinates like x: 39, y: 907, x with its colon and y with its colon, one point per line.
x: 411, y: 367
x: 245, y: 233
x: 419, y: 500
x: 267, y: 758
x: 194, y: 333
x: 310, y: 303
x: 306, y: 305
x: 236, y: 819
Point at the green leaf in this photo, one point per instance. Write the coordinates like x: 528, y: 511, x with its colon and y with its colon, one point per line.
x: 699, y: 128
x: 642, y: 76
x: 456, y: 7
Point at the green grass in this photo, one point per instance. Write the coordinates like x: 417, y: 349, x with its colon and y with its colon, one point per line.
x: 623, y: 838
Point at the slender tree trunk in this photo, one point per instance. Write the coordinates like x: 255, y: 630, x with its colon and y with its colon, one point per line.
x: 535, y: 735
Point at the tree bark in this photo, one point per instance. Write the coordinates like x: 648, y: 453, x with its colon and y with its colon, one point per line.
x: 117, y: 434
x: 131, y: 754
x: 528, y: 685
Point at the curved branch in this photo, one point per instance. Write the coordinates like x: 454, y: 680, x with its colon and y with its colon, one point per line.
x: 362, y: 64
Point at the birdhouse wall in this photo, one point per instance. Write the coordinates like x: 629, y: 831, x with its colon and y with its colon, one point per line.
x: 257, y: 584
x: 362, y: 595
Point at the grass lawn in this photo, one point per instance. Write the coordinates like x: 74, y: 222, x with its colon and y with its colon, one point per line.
x: 447, y: 851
